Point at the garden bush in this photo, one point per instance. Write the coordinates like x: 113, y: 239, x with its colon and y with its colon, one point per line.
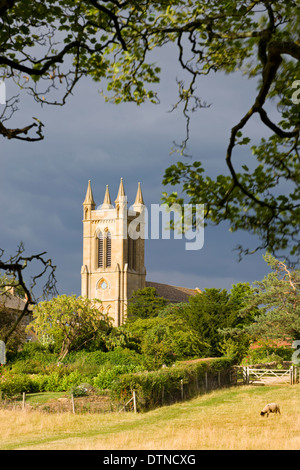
x: 107, y: 375
x: 118, y: 356
x: 34, y: 351
x: 11, y: 385
x: 266, y: 354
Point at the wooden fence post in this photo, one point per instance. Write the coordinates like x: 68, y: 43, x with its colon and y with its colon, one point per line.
x: 134, y: 400
x: 206, y: 381
x: 24, y: 400
x: 181, y: 386
x: 73, y: 403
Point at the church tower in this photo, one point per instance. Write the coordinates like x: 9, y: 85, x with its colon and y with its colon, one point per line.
x: 113, y: 251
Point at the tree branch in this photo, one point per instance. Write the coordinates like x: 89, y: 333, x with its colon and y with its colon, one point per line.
x: 17, y: 133
x: 113, y: 17
x: 15, y: 266
x: 281, y: 133
x: 50, y: 61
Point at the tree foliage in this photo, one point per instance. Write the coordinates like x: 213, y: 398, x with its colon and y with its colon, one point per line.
x: 278, y: 298
x: 166, y: 338
x: 216, y: 314
x: 258, y: 189
x: 47, y: 46
x: 191, y: 329
x: 144, y: 303
x: 69, y: 322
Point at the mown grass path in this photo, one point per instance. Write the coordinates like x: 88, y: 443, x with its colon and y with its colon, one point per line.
x: 223, y: 419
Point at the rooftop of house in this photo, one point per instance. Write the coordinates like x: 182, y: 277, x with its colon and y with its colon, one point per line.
x: 9, y: 301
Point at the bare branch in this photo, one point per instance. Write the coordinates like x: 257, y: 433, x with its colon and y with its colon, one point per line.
x: 15, y: 267
x: 20, y: 133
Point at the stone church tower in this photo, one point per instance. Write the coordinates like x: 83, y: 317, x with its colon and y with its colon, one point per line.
x: 113, y: 261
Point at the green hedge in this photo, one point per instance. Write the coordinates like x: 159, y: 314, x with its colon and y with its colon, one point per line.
x: 171, y: 384
x: 14, y: 384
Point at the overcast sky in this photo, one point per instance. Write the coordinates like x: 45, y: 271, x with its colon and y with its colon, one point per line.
x: 43, y: 184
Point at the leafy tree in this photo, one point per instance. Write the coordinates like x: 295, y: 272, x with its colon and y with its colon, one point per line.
x: 144, y: 303
x: 236, y: 340
x: 166, y: 338
x: 278, y: 298
x: 259, y: 38
x: 47, y: 46
x: 70, y: 322
x: 239, y: 296
x: 216, y: 315
x: 207, y: 313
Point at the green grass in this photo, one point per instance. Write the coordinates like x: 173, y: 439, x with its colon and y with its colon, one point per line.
x: 43, y: 397
x: 223, y: 419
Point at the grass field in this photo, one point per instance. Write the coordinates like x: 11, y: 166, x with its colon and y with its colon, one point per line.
x: 223, y: 419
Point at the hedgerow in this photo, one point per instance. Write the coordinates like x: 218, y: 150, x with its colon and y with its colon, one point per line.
x: 169, y: 385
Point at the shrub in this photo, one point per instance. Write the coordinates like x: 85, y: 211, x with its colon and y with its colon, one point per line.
x: 118, y: 356
x: 107, y: 376
x: 11, y: 385
x: 266, y: 354
x: 34, y: 351
x: 81, y: 390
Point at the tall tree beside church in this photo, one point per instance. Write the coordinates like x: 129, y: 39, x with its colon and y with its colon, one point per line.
x: 215, y: 314
x: 206, y: 313
x: 144, y: 303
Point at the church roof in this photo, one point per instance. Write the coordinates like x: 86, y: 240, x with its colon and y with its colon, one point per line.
x: 173, y: 293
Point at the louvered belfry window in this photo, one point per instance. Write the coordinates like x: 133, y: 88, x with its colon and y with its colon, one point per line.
x: 131, y: 253
x: 108, y: 249
x: 104, y: 250
x: 100, y: 250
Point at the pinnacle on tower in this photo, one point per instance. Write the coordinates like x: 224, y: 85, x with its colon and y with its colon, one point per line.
x: 121, y: 192
x: 89, y: 199
x: 139, y: 196
x: 106, y: 202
